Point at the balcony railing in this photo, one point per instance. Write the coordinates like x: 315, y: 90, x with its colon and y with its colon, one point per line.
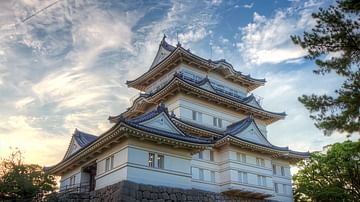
x: 83, y: 187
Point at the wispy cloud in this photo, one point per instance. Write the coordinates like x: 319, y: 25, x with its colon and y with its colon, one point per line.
x: 280, y: 94
x: 65, y: 68
x: 267, y: 40
x: 248, y: 5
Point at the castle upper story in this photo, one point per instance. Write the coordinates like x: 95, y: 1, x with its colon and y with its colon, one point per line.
x: 170, y: 59
x: 206, y: 92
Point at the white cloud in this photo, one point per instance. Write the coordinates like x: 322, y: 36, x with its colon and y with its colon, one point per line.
x: 267, y: 40
x: 297, y: 130
x: 38, y: 145
x: 23, y: 102
x: 193, y: 35
x: 248, y: 5
x: 66, y: 67
x: 215, y: 2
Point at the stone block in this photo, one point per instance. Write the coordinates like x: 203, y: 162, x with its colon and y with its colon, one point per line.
x: 146, y: 194
x: 173, y: 197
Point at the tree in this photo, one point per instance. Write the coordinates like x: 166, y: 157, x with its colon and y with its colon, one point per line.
x: 23, y: 182
x: 334, y: 44
x: 330, y: 176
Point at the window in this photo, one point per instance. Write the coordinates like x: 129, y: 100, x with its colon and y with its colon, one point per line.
x: 217, y: 122
x: 201, y: 174
x: 109, y: 163
x: 151, y: 161
x: 242, y: 177
x: 212, y: 173
x: 220, y: 123
x: 282, y: 171
x: 241, y: 157
x: 72, y: 180
x: 274, y: 169
x: 196, y: 116
x: 284, y: 189
x: 201, y: 155
x: 211, y: 155
x: 261, y: 180
x: 160, y: 161
x: 260, y: 162
x: 276, y: 187
x: 156, y: 161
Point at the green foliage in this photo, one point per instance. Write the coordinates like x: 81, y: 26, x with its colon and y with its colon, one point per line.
x: 334, y: 44
x: 23, y: 182
x: 334, y: 176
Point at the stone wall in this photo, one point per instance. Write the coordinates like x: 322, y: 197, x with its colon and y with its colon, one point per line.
x: 132, y: 192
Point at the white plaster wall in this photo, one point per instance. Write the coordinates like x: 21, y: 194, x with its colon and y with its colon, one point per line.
x: 111, y: 177
x: 120, y: 158
x: 183, y: 105
x: 176, y: 172
x: 161, y: 81
x: 227, y: 166
x: 65, y: 179
x: 156, y: 176
x: 120, y: 153
x: 215, y: 77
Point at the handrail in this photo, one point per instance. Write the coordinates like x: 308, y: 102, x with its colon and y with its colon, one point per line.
x: 82, y: 187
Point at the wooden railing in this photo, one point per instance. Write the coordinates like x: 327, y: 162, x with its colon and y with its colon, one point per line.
x: 83, y: 187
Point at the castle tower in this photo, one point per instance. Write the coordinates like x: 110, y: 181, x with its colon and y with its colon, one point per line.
x: 195, y: 124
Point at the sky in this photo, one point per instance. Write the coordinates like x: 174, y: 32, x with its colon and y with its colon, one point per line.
x: 66, y: 66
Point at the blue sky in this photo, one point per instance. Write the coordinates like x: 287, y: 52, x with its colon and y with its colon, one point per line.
x: 66, y: 67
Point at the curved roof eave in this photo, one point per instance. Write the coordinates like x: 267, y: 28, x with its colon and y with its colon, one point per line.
x: 273, y: 147
x: 224, y: 134
x: 176, y: 76
x: 214, y: 63
x: 147, y: 130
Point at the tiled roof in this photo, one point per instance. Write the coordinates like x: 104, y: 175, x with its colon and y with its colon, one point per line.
x: 216, y: 63
x: 83, y: 139
x: 166, y: 46
x: 245, y: 100
x: 238, y: 127
x: 136, y: 123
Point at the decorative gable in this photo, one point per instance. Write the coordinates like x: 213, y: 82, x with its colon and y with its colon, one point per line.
x: 73, y: 147
x: 253, y: 134
x: 254, y: 103
x: 162, y: 122
x: 208, y: 87
x: 164, y: 50
x: 78, y: 140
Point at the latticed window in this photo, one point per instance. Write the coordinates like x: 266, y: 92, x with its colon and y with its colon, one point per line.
x: 211, y: 155
x: 196, y: 116
x: 201, y: 174
x: 276, y: 187
x: 217, y: 122
x: 261, y: 180
x: 109, y: 163
x: 282, y: 171
x: 241, y: 157
x: 242, y: 177
x: 274, y: 169
x: 212, y: 173
x: 160, y: 161
x: 200, y: 155
x: 151, y: 160
x: 260, y: 162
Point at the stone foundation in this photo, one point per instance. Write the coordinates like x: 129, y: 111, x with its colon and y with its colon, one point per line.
x: 128, y: 191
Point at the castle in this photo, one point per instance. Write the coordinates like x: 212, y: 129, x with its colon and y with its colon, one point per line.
x: 195, y: 125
